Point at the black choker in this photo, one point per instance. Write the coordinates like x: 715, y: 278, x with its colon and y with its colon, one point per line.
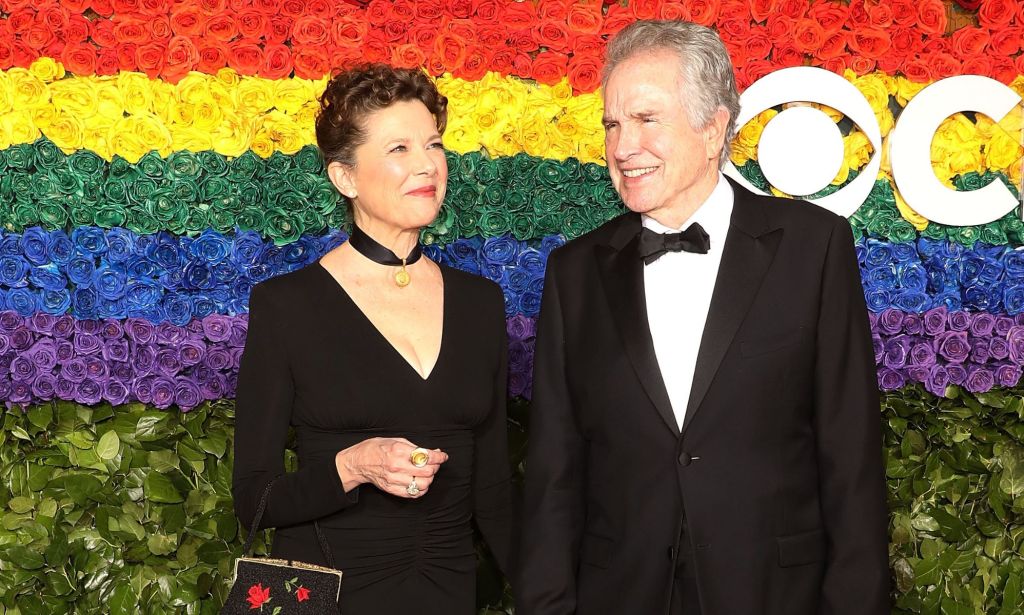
x: 368, y: 247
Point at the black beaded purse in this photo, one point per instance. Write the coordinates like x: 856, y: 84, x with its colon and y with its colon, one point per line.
x: 282, y: 587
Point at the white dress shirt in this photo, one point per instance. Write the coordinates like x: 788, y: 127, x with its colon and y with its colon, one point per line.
x: 678, y: 288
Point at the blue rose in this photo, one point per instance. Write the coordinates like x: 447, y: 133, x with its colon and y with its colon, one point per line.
x: 532, y: 261
x: 165, y: 251
x: 221, y: 297
x: 203, y: 306
x: 247, y: 248
x: 518, y: 280
x: 333, y: 239
x: 24, y: 301
x: 970, y: 269
x: 153, y: 313
x: 13, y: 271
x: 991, y: 271
x: 140, y: 267
x: 59, y: 248
x: 210, y: 247
x: 47, y: 277
x: 928, y: 248
x: 301, y: 252
x: 529, y: 303
x: 502, y: 250
x: 1013, y: 298
x: 33, y: 245
x: 877, y: 299
x: 911, y: 301
x: 89, y: 240
x: 879, y: 253
x: 860, y: 250
x: 239, y: 302
x: 905, y: 252
x: 912, y: 276
x: 949, y: 299
x: 83, y: 303
x: 113, y: 308
x: 437, y: 254
x: 80, y: 270
x: 881, y: 277
x: 950, y: 250
x: 121, y: 244
x: 172, y: 279
x: 259, y: 272
x: 109, y: 282
x: 178, y: 309
x: 55, y: 301
x: 549, y: 243
x: 224, y: 273
x: 494, y: 272
x: 980, y: 298
x: 142, y: 294
x: 1013, y: 262
x: 197, y: 276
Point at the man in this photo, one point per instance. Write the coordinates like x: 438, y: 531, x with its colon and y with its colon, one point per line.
x: 705, y: 433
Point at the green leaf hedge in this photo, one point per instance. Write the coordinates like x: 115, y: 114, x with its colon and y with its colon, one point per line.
x: 128, y: 510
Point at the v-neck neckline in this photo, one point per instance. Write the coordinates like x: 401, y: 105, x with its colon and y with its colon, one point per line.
x: 444, y: 323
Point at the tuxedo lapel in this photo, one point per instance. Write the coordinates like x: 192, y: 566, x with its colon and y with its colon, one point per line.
x: 748, y: 252
x: 621, y: 270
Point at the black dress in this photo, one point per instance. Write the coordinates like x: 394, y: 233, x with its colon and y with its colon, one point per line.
x: 313, y: 361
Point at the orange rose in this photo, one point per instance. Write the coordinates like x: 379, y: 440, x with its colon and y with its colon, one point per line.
x: 375, y: 48
x: 786, y: 56
x: 402, y: 10
x: 251, y: 24
x: 101, y: 31
x: 757, y: 46
x: 323, y: 9
x: 153, y: 7
x: 522, y: 65
x: 862, y: 65
x: 186, y: 20
x: 732, y: 9
x: 125, y: 7
x: 488, y: 11
x: 931, y: 16
x: 552, y: 34
x: 780, y: 27
x: 150, y: 58
x: 22, y: 54
x: 794, y: 9
x: 21, y: 20
x: 465, y: 29
x: 584, y: 73
x: 996, y: 14
x: 278, y: 30
x: 701, y: 12
x: 348, y: 32
x: 969, y: 41
x: 522, y: 42
x: 212, y: 7
x: 310, y: 62
x: 223, y: 27
x: 673, y: 10
x: 977, y: 65
x: 734, y: 30
x: 837, y: 65
x: 752, y: 71
x: 396, y: 30
x: 213, y: 56
x: 79, y: 58
x: 277, y: 61
x: 76, y: 7
x: 808, y: 36
x: 77, y: 30
x: 831, y: 16
x: 556, y: 10
x: 54, y: 17
x: 549, y: 67
x: 1003, y: 69
x: 869, y: 42
x: 475, y: 65
x: 879, y: 14
x: 106, y: 62
x: 182, y: 56
x: 38, y: 36
x: 1006, y: 42
x: 246, y: 57
x: 423, y: 35
x: 309, y: 30
x: 297, y: 8
x: 904, y: 41
x: 408, y: 56
x: 429, y: 10
x: 267, y: 7
x: 584, y: 19
x: 451, y: 49
x: 832, y: 47
x: 103, y: 8
x: 519, y: 15
x: 859, y: 13
x: 644, y: 9
x: 904, y: 12
x: 889, y: 63
x: 131, y: 31
x: 160, y: 28
x: 617, y: 18
x: 944, y: 65
x: 502, y: 60
x: 491, y: 36
x: 591, y: 45
x: 761, y: 10
x: 435, y: 65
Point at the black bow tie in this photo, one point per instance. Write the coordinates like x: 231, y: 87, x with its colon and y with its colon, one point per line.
x: 653, y: 244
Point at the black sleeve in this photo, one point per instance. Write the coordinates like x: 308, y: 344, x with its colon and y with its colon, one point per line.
x: 262, y: 419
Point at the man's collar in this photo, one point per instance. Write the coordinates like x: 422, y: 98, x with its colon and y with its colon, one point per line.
x: 713, y: 214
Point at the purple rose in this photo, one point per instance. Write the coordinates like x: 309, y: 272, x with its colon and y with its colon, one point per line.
x: 122, y: 372
x: 922, y: 353
x: 239, y: 328
x: 65, y: 389
x: 111, y: 329
x: 144, y: 389
x: 896, y: 350
x: 187, y: 394
x: 957, y: 373
x: 1008, y: 375
x: 982, y: 324
x: 41, y: 322
x: 5, y: 388
x: 21, y: 393
x: 998, y: 349
x: 163, y: 392
x: 890, y: 321
x: 169, y: 334
x: 9, y: 321
x: 912, y: 324
x: 1015, y: 340
x: 63, y: 326
x: 194, y: 328
x: 191, y: 352
x: 144, y: 359
x: 1003, y: 325
x: 217, y: 328
x: 44, y: 386
x: 918, y: 373
x: 938, y: 378
x: 21, y: 339
x: 218, y: 359
x: 952, y: 346
x: 89, y: 327
x: 521, y: 328
x: 889, y: 379
x: 959, y: 321
x: 139, y: 331
x: 65, y: 351
x: 43, y: 354
x: 935, y: 320
x: 878, y: 346
x: 979, y: 379
x: 518, y: 356
x: 87, y: 343
x: 518, y: 384
x: 213, y: 387
x: 167, y: 362
x: 88, y: 392
x: 979, y: 351
x: 74, y: 370
x: 115, y: 392
x: 115, y: 350
x: 1019, y: 319
x: 873, y: 320
x: 5, y: 343
x: 95, y: 369
x: 236, y: 358
x: 23, y: 369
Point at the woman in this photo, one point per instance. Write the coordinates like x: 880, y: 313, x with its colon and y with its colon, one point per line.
x: 390, y: 368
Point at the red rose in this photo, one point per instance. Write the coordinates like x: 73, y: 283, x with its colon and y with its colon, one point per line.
x: 462, y: 28
x: 701, y: 12
x: 475, y: 66
x: 106, y: 62
x: 375, y: 48
x: 342, y: 59
x: 904, y: 12
x: 79, y: 59
x: 969, y: 41
x: 246, y: 57
x: 126, y: 57
x: 831, y: 16
x: 869, y: 42
x: 213, y: 56
x: 395, y: 30
x: 1006, y: 42
x: 12, y: 5
x: 182, y: 57
x: 37, y: 37
x: 23, y: 54
x: 1002, y: 69
x: 501, y: 61
x: 859, y: 13
x: 6, y: 54
x: 302, y: 594
x: 277, y: 61
x: 212, y: 7
x: 519, y: 15
x: 589, y: 45
x: 862, y: 65
x: 222, y: 27
x: 124, y: 7
x: 808, y: 36
x: 944, y: 65
x: 309, y: 30
x: 150, y: 58
x: 977, y: 65
x: 429, y: 10
x: 905, y: 41
x: 734, y: 30
x: 617, y: 18
x: 931, y: 16
x: 487, y: 11
x: 451, y: 49
x: 460, y: 9
x: 75, y: 7
x: 644, y: 9
x: 491, y: 36
x: 556, y: 10
x: 585, y: 19
x: 552, y: 34
x: 889, y: 63
x: 53, y: 17
x: 879, y: 14
x: 757, y: 46
x: 672, y: 10
x: 188, y: 21
x: 319, y: 8
x: 310, y: 62
x: 160, y: 28
x: 251, y: 24
x: 408, y: 56
x: 267, y: 7
x: 832, y: 47
x: 103, y: 8
x: 348, y: 32
x: 549, y: 67
x: 916, y: 70
x: 786, y: 56
x: 21, y: 20
x: 761, y: 10
x: 435, y: 65
x: 423, y: 36
x: 131, y: 31
x: 752, y: 71
x: 584, y: 73
x: 1018, y: 65
x: 258, y: 596
x: 837, y: 65
x: 794, y: 9
x: 733, y: 9
x: 154, y: 7
x: 522, y: 42
x: 376, y: 12
x: 403, y: 11
x: 278, y: 29
x: 101, y: 31
x: 780, y: 27
x: 936, y: 45
x: 77, y: 29
x: 54, y: 49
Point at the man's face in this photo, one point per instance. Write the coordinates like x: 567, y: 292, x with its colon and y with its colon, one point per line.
x: 659, y: 163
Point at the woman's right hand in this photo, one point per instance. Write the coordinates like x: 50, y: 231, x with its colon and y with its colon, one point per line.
x: 386, y: 464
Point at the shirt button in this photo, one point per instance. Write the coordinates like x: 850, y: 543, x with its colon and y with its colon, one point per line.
x: 685, y: 459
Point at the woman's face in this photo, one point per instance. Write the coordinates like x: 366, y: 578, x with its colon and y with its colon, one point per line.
x: 400, y: 172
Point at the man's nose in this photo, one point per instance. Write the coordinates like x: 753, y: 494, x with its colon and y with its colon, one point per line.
x: 625, y: 144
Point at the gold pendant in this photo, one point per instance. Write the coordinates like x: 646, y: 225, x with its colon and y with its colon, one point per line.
x: 402, y: 277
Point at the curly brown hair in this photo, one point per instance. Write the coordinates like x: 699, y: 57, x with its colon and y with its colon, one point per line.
x: 354, y: 94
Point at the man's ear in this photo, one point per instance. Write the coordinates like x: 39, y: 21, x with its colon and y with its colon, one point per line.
x: 341, y: 176
x: 714, y: 133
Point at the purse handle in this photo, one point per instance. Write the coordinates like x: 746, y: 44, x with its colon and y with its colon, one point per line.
x: 325, y: 548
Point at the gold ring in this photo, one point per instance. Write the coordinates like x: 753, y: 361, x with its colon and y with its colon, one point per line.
x: 419, y: 457
x: 412, y: 489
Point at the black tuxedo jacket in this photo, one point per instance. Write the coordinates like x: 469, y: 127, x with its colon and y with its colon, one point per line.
x: 778, y: 468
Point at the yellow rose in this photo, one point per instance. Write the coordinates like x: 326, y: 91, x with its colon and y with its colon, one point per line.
x: 207, y: 115
x: 290, y: 95
x: 5, y: 136
x: 873, y: 87
x: 183, y: 115
x: 461, y: 136
x: 136, y: 92
x: 78, y: 96
x: 28, y: 91
x: 966, y: 160
x: 135, y: 135
x: 750, y: 134
x: 283, y: 132
x: 1017, y: 85
x: 233, y: 135
x: 47, y: 69
x: 857, y: 150
x: 262, y: 145
x: 66, y: 130
x: 560, y: 93
x: 486, y: 120
x: 1002, y: 152
x: 254, y: 96
x: 305, y: 119
x: 1015, y: 173
x: 6, y: 93
x: 841, y: 176
x: 20, y: 126
x: 190, y: 138
x: 591, y: 152
x: 911, y: 216
x: 907, y: 89
x: 568, y: 127
x: 110, y: 103
x: 740, y: 154
x: 529, y: 139
x: 194, y: 88
x: 96, y: 140
x: 228, y: 77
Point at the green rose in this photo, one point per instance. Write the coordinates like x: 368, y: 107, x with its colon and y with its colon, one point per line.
x: 141, y: 189
x: 547, y: 223
x: 274, y: 185
x: 517, y: 201
x: 214, y: 187
x: 312, y: 221
x: 965, y: 235
x: 141, y: 221
x: 523, y: 164
x: 48, y: 155
x: 523, y: 227
x: 467, y: 165
x: 53, y: 215
x: 196, y: 220
x: 279, y: 163
x: 308, y: 160
x: 338, y: 218
x: 283, y: 226
x: 573, y: 170
x: 551, y: 174
x: 165, y: 208
x: 183, y: 164
x: 110, y: 216
x: 221, y: 221
x: 22, y: 187
x: 212, y: 162
x: 593, y: 172
x: 122, y: 169
x: 251, y: 219
x: 605, y: 193
x: 302, y: 183
x: 21, y: 156
x: 185, y: 190
x: 249, y: 192
x: 44, y: 186
x: 969, y: 181
x: 152, y: 165
x: 291, y: 202
x: 574, y: 223
x: 468, y: 223
x: 462, y: 197
x: 452, y: 160
x: 493, y: 195
x: 324, y: 198
x: 66, y: 182
x: 85, y: 163
x: 81, y: 215
x: 495, y: 222
x: 751, y: 171
x: 575, y: 192
x: 545, y: 199
x: 934, y: 231
x: 902, y: 231
x: 992, y: 233
x: 488, y: 172
x: 880, y: 223
x: 24, y: 214
x: 444, y: 223
x: 115, y: 191
x: 245, y: 166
